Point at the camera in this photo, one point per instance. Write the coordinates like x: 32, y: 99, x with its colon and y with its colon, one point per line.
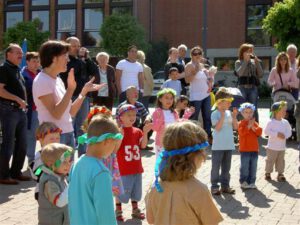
x: 252, y: 56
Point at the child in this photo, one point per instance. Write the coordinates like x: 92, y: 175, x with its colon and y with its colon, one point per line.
x: 46, y: 133
x: 223, y: 122
x: 164, y: 115
x: 90, y: 191
x: 111, y: 161
x: 53, y: 197
x: 172, y: 82
x: 249, y: 131
x: 180, y: 198
x: 210, y: 73
x: 129, y: 159
x: 182, y: 103
x: 278, y: 129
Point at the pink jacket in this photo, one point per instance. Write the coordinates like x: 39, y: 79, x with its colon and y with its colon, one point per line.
x: 159, y: 123
x: 288, y: 79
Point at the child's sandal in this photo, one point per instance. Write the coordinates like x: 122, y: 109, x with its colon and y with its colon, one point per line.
x: 268, y: 176
x: 136, y: 213
x: 119, y: 215
x: 281, y: 178
x: 228, y: 190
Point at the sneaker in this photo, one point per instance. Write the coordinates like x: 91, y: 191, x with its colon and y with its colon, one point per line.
x: 137, y: 214
x: 281, y: 178
x: 215, y: 191
x: 119, y: 215
x: 245, y: 185
x: 268, y: 176
x: 228, y: 190
x: 252, y: 186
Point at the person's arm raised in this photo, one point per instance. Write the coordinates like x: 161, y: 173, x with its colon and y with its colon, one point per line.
x: 58, y: 109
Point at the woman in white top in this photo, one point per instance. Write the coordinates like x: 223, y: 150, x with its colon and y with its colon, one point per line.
x: 196, y: 76
x: 52, y: 100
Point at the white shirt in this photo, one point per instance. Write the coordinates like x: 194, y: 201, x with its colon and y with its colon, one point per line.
x: 199, y: 87
x: 103, y: 92
x: 273, y: 127
x: 169, y: 117
x: 130, y: 73
x: 43, y: 85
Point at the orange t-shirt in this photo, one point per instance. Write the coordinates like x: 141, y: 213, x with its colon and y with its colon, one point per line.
x: 248, y: 138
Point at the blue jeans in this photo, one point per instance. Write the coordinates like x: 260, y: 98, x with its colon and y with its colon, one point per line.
x: 30, y: 136
x: 78, y: 121
x: 14, y: 127
x: 220, y: 159
x: 68, y: 139
x: 132, y: 188
x: 251, y: 95
x: 205, y: 107
x: 248, y: 167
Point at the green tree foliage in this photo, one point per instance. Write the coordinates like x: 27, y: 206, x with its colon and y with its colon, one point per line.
x: 157, y: 55
x: 119, y: 32
x: 283, y: 23
x: 29, y: 30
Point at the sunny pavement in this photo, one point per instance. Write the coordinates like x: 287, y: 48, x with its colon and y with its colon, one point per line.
x: 272, y: 203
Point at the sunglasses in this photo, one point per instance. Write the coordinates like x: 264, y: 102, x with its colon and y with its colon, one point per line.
x: 196, y: 53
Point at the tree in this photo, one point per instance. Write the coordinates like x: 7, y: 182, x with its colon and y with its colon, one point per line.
x: 283, y: 23
x: 118, y: 32
x: 29, y: 30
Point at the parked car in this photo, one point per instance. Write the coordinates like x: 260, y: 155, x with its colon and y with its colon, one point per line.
x: 158, y: 79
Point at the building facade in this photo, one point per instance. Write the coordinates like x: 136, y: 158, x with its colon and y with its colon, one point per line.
x: 221, y: 28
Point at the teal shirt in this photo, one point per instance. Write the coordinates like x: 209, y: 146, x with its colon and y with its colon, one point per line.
x: 222, y: 139
x: 90, y: 193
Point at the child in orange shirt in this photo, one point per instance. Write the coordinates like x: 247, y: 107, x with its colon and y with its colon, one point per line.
x: 249, y: 131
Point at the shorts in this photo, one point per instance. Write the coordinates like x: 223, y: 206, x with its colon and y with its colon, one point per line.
x: 132, y: 188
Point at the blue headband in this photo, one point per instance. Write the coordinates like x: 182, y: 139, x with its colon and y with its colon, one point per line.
x: 83, y: 139
x: 164, y: 155
x: 246, y: 105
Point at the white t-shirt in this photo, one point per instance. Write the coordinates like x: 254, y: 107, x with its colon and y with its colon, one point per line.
x: 199, y: 87
x: 273, y: 127
x: 169, y: 117
x: 130, y: 73
x: 43, y: 85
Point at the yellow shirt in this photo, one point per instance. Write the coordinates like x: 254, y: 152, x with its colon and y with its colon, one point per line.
x: 182, y: 202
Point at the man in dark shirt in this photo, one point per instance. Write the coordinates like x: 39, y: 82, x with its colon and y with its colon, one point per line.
x: 13, y: 117
x: 84, y: 68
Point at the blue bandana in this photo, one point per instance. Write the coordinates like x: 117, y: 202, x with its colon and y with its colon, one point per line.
x: 162, y: 159
x: 83, y: 139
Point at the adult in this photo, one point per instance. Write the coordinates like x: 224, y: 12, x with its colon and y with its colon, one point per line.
x: 84, y: 68
x: 29, y: 72
x: 129, y: 72
x: 291, y: 50
x: 292, y: 53
x: 196, y: 76
x: 182, y: 49
x: 248, y: 69
x: 148, y: 79
x: 173, y: 62
x: 282, y: 76
x: 106, y: 95
x: 52, y: 99
x: 12, y: 117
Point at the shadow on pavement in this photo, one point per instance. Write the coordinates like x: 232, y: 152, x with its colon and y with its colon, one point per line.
x: 257, y: 198
x: 232, y: 207
x: 131, y: 222
x: 286, y: 188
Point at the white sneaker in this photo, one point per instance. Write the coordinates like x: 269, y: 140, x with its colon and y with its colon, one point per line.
x: 252, y: 186
x: 245, y: 185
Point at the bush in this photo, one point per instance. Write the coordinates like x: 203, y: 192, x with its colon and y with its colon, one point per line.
x: 264, y: 90
x: 29, y: 30
x: 157, y: 55
x: 118, y: 32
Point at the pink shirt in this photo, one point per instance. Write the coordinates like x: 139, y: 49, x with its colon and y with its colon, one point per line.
x: 288, y: 78
x: 43, y: 85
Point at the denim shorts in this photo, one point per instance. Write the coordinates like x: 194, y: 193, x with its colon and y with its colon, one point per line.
x: 132, y: 188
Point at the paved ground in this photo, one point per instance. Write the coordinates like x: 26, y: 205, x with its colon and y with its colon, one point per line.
x: 272, y: 203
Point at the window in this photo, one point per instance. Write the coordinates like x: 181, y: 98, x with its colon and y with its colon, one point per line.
x: 93, y: 19
x: 225, y: 64
x: 92, y: 1
x: 39, y: 2
x: 66, y: 2
x: 121, y: 6
x: 12, y: 18
x: 14, y: 3
x: 66, y: 23
x: 43, y: 16
x: 254, y: 33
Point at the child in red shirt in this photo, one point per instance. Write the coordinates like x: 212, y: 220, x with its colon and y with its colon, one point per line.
x: 129, y: 159
x: 249, y: 131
